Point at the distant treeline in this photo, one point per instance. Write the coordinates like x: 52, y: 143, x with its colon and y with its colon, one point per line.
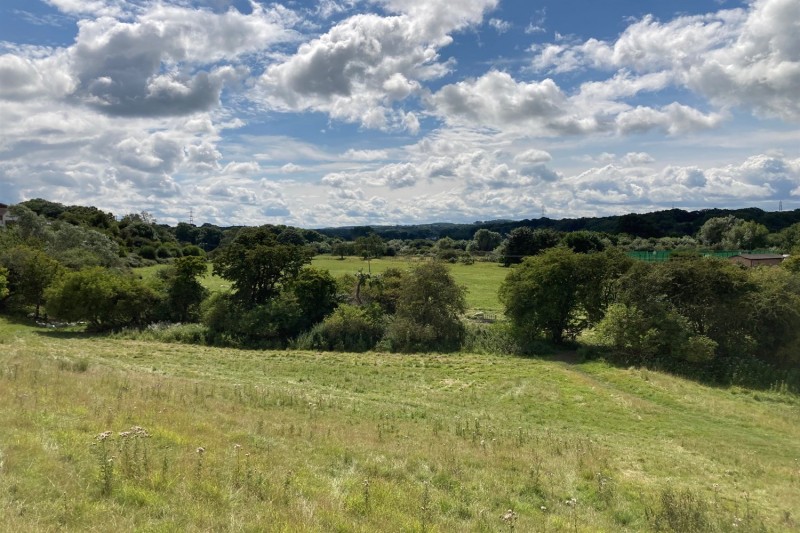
x: 669, y: 223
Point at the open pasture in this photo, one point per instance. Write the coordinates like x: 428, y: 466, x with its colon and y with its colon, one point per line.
x: 203, y: 439
x: 482, y: 279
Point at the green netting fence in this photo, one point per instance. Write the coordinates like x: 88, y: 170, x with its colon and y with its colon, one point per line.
x: 656, y: 256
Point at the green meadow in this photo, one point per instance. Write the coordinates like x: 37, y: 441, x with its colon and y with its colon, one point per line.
x: 108, y: 434
x: 482, y: 279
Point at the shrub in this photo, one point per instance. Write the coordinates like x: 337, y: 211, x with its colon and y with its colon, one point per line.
x: 165, y: 332
x: 192, y: 251
x: 105, y: 299
x: 428, y: 312
x: 349, y: 328
x: 147, y: 252
x: 496, y: 338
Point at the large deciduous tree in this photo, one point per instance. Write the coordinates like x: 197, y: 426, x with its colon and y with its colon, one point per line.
x: 524, y: 241
x: 485, y: 240
x: 184, y: 292
x: 560, y: 292
x: 541, y: 296
x: 31, y: 271
x: 428, y: 311
x: 256, y: 264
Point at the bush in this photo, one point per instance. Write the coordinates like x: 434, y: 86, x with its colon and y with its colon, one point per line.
x: 262, y: 326
x: 349, y: 328
x: 428, y: 312
x: 147, y: 252
x: 103, y: 298
x: 496, y: 338
x: 165, y: 332
x: 193, y: 251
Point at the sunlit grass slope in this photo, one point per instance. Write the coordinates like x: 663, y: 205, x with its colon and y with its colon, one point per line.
x: 297, y: 441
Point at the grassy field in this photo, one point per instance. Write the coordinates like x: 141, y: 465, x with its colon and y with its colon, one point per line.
x: 299, y: 441
x: 482, y: 279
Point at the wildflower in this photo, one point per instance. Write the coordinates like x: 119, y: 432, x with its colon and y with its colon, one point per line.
x: 571, y: 502
x: 201, y: 450
x: 509, y: 516
x: 104, y: 435
x: 543, y: 508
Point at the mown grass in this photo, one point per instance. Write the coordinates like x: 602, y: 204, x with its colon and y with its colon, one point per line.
x: 482, y: 279
x: 378, y: 442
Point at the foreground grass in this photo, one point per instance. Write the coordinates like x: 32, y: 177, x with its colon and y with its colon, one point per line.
x: 297, y: 441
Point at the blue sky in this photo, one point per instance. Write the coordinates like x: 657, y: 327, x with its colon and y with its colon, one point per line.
x: 346, y: 112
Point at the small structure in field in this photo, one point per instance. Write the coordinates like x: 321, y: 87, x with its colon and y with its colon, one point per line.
x: 754, y: 260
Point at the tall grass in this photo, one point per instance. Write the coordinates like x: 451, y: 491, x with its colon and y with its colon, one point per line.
x: 304, y: 441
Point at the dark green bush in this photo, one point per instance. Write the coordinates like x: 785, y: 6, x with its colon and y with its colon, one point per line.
x: 349, y: 328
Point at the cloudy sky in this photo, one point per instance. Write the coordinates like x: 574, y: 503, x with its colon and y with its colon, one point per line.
x: 342, y: 112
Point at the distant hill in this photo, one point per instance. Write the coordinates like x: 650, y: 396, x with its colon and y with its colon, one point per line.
x: 668, y: 223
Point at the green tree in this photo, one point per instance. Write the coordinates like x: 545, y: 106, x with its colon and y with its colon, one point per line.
x: 560, y: 292
x: 747, y: 235
x: 541, y: 296
x: 31, y: 271
x: 709, y: 295
x: 713, y: 231
x: 733, y: 233
x: 485, y: 240
x: 209, y: 237
x: 370, y: 246
x: 428, y: 311
x: 3, y: 283
x: 787, y: 238
x: 104, y: 298
x: 184, y: 292
x: 31, y: 228
x: 78, y: 247
x: 774, y: 315
x: 584, y: 242
x: 384, y: 289
x: 316, y: 295
x: 186, y: 233
x: 343, y: 248
x: 257, y: 265
x: 523, y: 242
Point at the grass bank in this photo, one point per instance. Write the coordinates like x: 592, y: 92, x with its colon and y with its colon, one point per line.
x: 214, y: 439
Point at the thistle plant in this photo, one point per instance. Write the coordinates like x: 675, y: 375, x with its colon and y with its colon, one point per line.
x: 425, y: 508
x: 105, y: 463
x: 572, y: 503
x: 510, y: 519
x: 365, y: 485
x: 199, y: 467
